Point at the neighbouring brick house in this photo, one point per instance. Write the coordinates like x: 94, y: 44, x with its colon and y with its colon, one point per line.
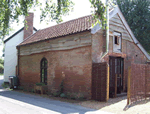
x: 75, y: 48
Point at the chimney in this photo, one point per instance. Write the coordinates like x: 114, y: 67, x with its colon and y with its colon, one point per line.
x: 28, y: 30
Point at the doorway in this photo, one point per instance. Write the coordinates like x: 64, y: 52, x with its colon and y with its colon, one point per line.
x: 116, y: 76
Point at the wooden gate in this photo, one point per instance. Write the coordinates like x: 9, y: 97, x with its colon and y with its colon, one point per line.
x: 100, y: 81
x: 116, y: 76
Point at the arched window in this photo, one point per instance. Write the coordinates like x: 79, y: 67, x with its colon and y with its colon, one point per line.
x: 44, y: 71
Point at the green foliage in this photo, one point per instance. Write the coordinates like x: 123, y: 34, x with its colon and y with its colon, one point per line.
x: 75, y: 96
x: 99, y: 11
x: 60, y: 93
x: 40, y: 84
x: 5, y: 85
x: 1, y: 61
x: 1, y: 66
x: 56, y: 94
x: 63, y: 95
x: 31, y: 90
x: 62, y: 86
x: 10, y: 10
x: 20, y: 87
x: 137, y: 14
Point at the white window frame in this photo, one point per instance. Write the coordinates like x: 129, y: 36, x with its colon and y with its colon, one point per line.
x: 117, y: 45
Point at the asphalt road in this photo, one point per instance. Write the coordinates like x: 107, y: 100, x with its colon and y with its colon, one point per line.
x: 13, y: 102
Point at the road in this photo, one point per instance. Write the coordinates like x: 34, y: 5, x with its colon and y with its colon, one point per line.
x: 13, y: 102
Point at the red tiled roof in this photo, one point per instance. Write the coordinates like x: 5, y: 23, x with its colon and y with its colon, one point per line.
x: 63, y: 29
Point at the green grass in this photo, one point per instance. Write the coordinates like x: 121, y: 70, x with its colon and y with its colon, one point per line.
x: 1, y: 74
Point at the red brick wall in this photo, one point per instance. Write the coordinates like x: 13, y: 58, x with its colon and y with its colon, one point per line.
x: 28, y: 29
x: 139, y: 82
x: 75, y: 63
x: 133, y: 55
x: 130, y: 52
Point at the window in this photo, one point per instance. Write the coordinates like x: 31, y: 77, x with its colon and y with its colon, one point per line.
x: 116, y: 40
x: 44, y: 71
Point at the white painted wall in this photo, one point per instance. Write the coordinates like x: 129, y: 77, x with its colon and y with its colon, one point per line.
x: 10, y: 60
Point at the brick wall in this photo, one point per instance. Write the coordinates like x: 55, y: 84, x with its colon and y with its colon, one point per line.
x: 98, y: 46
x: 75, y: 63
x: 131, y: 54
x: 28, y: 29
x: 139, y: 82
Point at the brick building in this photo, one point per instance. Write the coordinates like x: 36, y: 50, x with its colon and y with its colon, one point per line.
x: 75, y: 49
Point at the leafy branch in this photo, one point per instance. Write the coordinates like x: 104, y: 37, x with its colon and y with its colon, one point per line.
x: 52, y: 10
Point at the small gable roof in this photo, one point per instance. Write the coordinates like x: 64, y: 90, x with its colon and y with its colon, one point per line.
x: 16, y: 34
x: 63, y: 29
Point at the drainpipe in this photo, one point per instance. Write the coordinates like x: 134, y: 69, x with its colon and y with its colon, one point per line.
x: 107, y: 30
x: 18, y: 54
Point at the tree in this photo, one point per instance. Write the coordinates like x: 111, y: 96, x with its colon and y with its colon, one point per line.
x: 99, y: 12
x: 137, y: 14
x: 10, y: 10
x: 1, y: 66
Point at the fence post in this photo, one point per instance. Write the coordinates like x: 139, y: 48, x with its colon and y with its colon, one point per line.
x: 107, y: 84
x: 129, y: 85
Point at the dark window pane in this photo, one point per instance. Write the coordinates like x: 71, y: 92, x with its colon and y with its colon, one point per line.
x: 44, y: 71
x: 116, y: 40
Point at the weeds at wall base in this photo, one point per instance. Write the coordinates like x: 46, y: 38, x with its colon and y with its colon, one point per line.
x: 5, y: 85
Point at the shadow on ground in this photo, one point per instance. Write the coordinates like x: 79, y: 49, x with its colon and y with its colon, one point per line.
x: 46, y: 103
x: 58, y: 104
x: 140, y: 102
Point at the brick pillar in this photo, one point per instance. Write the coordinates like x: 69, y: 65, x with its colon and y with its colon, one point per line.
x: 98, y: 46
x: 28, y: 27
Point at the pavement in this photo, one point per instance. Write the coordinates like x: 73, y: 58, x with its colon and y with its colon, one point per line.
x: 14, y: 102
x: 1, y: 81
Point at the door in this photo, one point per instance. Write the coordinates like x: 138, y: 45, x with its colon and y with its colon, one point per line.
x: 116, y: 76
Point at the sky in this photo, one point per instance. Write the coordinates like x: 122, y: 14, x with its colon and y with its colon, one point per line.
x: 81, y: 8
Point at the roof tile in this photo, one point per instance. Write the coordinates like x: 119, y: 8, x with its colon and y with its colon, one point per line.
x: 66, y: 28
